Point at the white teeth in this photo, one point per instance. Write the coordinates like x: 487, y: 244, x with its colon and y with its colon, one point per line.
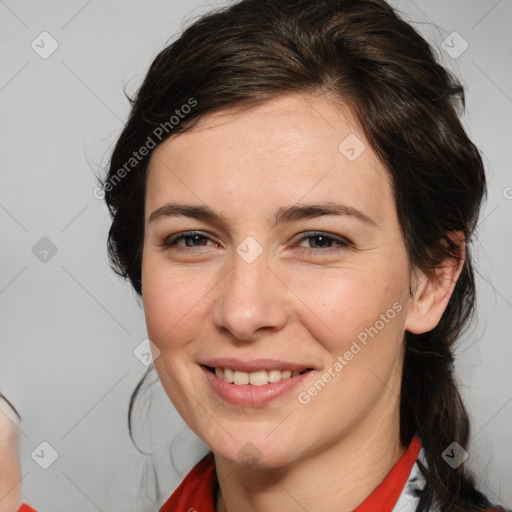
x: 229, y: 375
x: 259, y: 378
x: 274, y: 376
x: 241, y: 378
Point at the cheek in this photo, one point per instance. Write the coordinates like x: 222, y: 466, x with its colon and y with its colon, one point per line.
x: 172, y: 300
x: 344, y: 305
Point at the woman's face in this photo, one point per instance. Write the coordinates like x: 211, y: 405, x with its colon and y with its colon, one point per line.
x: 272, y: 246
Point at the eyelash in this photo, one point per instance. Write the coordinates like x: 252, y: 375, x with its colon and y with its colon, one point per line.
x: 341, y: 242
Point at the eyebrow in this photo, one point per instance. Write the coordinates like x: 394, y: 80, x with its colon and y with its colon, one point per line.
x: 283, y: 215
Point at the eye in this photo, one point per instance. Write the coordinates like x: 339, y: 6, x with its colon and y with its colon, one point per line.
x: 191, y: 239
x: 317, y: 241
x: 322, y: 242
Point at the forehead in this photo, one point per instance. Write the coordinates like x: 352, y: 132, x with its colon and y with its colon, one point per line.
x: 290, y: 148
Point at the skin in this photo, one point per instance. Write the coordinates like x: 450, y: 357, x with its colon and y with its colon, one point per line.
x: 293, y: 303
x: 10, y: 471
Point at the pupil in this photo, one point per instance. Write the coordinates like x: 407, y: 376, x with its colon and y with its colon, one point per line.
x: 194, y: 240
x: 320, y: 240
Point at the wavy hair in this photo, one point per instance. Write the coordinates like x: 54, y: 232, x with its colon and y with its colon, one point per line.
x: 364, y: 54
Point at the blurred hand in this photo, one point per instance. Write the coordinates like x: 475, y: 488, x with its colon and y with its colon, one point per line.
x: 10, y: 472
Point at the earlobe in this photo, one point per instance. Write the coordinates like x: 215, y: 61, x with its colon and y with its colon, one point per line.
x: 431, y: 293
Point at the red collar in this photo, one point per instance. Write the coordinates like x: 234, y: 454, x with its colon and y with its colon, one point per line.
x: 197, y: 490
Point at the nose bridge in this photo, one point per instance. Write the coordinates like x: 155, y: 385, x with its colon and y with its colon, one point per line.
x: 250, y: 296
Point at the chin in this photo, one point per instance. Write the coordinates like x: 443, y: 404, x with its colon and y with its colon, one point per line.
x: 257, y: 451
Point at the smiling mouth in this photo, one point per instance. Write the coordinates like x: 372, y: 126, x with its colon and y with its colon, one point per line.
x: 258, y: 378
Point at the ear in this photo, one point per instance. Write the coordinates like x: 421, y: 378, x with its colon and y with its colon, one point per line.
x: 432, y: 293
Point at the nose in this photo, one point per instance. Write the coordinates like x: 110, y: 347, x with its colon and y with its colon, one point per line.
x: 251, y: 301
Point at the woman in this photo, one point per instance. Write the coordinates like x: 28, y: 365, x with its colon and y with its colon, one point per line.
x: 294, y: 198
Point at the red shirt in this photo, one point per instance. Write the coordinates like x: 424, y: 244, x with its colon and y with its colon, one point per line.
x: 197, y: 490
x: 196, y: 493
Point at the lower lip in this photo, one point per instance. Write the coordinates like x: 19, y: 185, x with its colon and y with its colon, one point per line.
x: 252, y: 396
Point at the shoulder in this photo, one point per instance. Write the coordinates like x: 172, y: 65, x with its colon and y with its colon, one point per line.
x: 197, y: 490
x: 26, y: 508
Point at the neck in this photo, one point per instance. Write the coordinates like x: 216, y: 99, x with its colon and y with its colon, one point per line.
x: 337, y: 479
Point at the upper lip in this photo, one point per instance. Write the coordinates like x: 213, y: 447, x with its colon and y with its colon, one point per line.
x: 253, y: 365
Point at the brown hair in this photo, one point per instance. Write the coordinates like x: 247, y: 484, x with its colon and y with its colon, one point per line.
x: 364, y: 54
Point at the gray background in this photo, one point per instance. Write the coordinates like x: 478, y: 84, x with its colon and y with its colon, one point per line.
x: 69, y: 327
